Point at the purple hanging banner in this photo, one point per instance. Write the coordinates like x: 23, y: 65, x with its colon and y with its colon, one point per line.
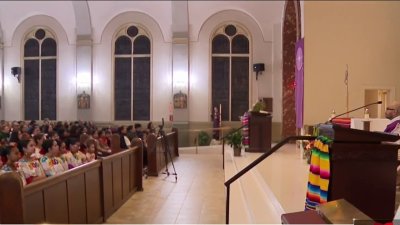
x: 299, y: 88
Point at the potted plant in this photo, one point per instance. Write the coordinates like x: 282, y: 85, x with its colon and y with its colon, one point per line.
x: 204, y: 138
x: 235, y: 141
x: 258, y: 106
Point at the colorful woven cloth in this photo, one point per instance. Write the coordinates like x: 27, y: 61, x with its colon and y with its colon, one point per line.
x: 245, y: 130
x: 318, y: 179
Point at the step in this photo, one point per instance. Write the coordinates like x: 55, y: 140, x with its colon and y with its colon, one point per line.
x: 265, y: 192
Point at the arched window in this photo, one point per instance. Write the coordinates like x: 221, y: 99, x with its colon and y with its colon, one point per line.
x: 132, y: 54
x: 230, y: 71
x: 40, y: 75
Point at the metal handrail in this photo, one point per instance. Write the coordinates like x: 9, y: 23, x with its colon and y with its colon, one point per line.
x: 255, y: 163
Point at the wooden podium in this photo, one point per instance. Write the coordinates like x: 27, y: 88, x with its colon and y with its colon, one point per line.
x: 259, y: 132
x: 363, y: 170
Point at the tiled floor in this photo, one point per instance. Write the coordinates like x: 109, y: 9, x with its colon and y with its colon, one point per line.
x: 197, y: 197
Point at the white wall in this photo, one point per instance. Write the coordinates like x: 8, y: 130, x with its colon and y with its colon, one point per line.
x: 13, y: 13
x: 364, y: 35
x: 17, y: 18
x: 102, y: 12
x: 261, y: 18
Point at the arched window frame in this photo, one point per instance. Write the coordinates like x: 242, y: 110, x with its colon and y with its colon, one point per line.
x: 122, y: 31
x: 241, y: 30
x: 49, y: 33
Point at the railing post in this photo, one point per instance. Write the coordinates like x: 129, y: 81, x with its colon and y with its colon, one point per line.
x: 223, y: 154
x: 228, y: 188
x: 197, y: 142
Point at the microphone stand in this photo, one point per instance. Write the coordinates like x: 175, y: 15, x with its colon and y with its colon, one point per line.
x: 374, y: 103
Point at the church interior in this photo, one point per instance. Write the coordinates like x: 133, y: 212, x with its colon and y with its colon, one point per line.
x: 200, y: 112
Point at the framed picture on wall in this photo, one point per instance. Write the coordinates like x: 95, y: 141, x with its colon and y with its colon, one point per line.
x: 180, y: 100
x: 83, y: 101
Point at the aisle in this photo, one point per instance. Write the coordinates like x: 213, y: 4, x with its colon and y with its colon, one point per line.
x: 197, y: 197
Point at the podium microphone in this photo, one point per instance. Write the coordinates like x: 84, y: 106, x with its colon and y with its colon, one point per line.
x: 374, y: 103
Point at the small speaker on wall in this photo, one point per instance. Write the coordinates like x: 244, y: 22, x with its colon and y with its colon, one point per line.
x: 258, y: 68
x: 16, y: 72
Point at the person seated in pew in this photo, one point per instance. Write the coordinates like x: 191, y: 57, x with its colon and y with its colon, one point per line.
x: 4, y: 134
x: 51, y: 163
x: 105, y: 137
x: 30, y: 166
x: 101, y: 148
x: 11, y: 153
x: 53, y: 135
x: 130, y: 132
x: 91, y: 150
x: 74, y: 157
x: 150, y: 128
x: 143, y: 136
x: 124, y: 141
x: 38, y: 141
x: 63, y: 150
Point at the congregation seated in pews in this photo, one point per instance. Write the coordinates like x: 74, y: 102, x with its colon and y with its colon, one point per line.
x: 60, y: 162
x: 39, y: 151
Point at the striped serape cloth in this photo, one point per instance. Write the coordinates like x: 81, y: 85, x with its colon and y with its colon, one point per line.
x: 318, y: 178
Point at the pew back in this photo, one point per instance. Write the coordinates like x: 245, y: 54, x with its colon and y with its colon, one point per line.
x: 122, y: 177
x: 11, y: 209
x: 156, y: 152
x: 86, y: 194
x: 72, y: 197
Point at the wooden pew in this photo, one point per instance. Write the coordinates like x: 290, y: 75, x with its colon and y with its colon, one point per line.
x: 11, y: 197
x: 122, y: 176
x: 71, y: 197
x: 86, y: 194
x: 138, y: 143
x: 156, y: 154
x: 115, y: 143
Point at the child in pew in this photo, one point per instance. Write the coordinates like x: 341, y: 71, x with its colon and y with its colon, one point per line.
x: 91, y: 150
x: 63, y: 150
x: 74, y: 157
x: 104, y: 142
x: 30, y: 166
x: 101, y: 149
x: 51, y: 164
x: 38, y: 140
x: 11, y: 153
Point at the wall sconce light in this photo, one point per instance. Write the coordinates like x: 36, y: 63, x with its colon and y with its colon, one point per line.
x: 180, y: 80
x: 16, y: 72
x: 83, y: 81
